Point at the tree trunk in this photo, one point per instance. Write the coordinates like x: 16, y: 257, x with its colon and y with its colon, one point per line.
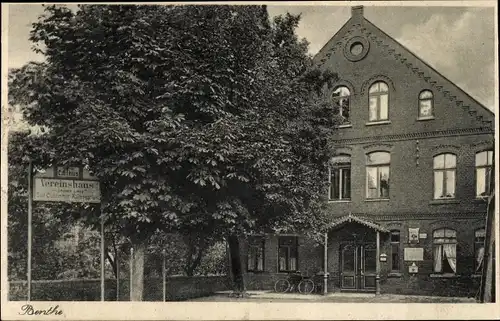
x: 236, y: 268
x: 137, y: 282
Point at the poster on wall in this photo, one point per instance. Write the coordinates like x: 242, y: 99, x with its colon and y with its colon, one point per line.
x: 413, y: 235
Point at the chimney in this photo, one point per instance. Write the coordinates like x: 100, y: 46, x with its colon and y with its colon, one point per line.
x: 357, y: 11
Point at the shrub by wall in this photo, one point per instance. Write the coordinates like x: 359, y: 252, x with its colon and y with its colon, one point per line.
x: 178, y: 288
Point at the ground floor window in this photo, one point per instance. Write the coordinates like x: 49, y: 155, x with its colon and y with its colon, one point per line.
x: 288, y: 254
x: 395, y: 248
x: 256, y: 254
x: 479, y: 237
x: 445, y: 251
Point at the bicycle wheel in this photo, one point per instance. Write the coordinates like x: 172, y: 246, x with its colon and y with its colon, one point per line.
x: 306, y: 286
x: 281, y: 286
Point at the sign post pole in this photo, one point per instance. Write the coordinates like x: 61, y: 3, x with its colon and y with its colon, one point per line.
x: 103, y: 248
x: 164, y: 275
x: 30, y: 232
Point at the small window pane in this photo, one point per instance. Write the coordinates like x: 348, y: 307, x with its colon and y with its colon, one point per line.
x: 490, y: 157
x: 395, y: 236
x: 335, y: 191
x: 341, y: 159
x: 480, y: 233
x: 450, y: 183
x: 439, y: 233
x: 371, y: 174
x: 373, y: 108
x: 384, y: 182
x: 342, y: 91
x: 374, y: 88
x: 450, y: 233
x: 384, y: 107
x: 450, y: 161
x: 346, y: 183
x: 383, y: 87
x: 481, y: 158
x: 481, y: 181
x: 426, y: 94
x: 439, y: 161
x: 378, y: 158
x: 438, y: 185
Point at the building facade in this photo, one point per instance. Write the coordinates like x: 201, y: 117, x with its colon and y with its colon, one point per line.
x: 408, y: 185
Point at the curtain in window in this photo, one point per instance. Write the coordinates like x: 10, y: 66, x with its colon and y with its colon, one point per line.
x: 450, y: 250
x: 260, y: 259
x: 282, y: 259
x: 479, y: 258
x: 438, y: 258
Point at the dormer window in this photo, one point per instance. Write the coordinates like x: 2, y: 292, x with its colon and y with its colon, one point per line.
x: 379, y: 102
x: 426, y: 105
x: 341, y: 103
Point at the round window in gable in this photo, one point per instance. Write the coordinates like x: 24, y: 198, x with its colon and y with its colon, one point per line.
x: 356, y: 48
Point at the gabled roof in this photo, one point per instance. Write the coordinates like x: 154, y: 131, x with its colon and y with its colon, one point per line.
x: 356, y: 219
x: 391, y: 47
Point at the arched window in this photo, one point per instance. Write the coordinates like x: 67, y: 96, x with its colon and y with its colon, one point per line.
x: 377, y: 175
x: 340, y: 178
x: 445, y: 166
x: 341, y: 100
x: 484, y: 162
x: 479, y: 237
x: 426, y: 104
x: 445, y: 250
x: 378, y: 96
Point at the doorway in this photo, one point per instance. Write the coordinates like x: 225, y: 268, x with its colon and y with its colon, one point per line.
x: 358, y: 266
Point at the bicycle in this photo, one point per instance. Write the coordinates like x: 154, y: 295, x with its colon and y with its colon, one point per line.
x: 295, y: 282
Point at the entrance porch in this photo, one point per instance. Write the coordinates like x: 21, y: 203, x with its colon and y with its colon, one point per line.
x: 352, y: 255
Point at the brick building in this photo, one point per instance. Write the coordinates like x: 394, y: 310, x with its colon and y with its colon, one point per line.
x: 408, y: 185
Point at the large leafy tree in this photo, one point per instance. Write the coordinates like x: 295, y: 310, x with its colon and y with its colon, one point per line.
x: 194, y: 118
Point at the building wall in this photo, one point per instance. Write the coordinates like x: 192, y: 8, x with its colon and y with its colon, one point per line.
x: 460, y: 126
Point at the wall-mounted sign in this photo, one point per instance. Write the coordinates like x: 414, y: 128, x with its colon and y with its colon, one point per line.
x: 422, y: 235
x: 414, y: 254
x: 383, y: 257
x: 66, y: 184
x: 413, y: 235
x: 413, y: 268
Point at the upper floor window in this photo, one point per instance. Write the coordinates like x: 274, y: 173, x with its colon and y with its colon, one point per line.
x: 288, y: 254
x: 479, y: 237
x: 445, y: 166
x: 484, y: 162
x: 377, y: 175
x: 379, y: 101
x: 425, y: 104
x: 445, y: 250
x: 340, y: 178
x: 341, y: 99
x: 255, y: 254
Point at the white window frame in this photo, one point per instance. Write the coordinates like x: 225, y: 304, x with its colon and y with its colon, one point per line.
x: 341, y: 166
x: 378, y: 94
x: 378, y: 167
x: 488, y: 167
x: 445, y: 171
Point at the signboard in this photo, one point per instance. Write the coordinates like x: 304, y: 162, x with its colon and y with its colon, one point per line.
x: 66, y: 184
x: 66, y: 190
x: 414, y: 254
x: 413, y: 235
x: 423, y: 235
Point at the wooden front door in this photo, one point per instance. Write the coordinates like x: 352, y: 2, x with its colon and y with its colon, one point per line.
x: 358, y: 266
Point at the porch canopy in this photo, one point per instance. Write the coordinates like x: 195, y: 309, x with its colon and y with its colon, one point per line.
x: 350, y: 218
x: 356, y: 219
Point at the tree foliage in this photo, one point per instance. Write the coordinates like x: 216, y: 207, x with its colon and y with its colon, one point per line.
x: 197, y: 118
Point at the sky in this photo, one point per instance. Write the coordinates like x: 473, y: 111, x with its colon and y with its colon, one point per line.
x: 457, y: 41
